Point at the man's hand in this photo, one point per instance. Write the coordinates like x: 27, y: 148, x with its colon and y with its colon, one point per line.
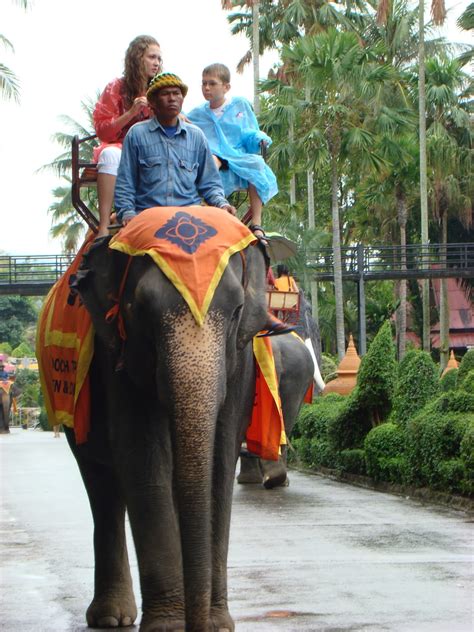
x: 230, y: 209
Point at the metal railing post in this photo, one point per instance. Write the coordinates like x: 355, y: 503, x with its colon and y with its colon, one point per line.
x: 361, y: 300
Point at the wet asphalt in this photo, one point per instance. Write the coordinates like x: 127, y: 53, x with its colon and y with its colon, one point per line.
x: 316, y: 556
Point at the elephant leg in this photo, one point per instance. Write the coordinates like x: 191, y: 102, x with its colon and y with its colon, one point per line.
x: 250, y: 470
x: 274, y: 472
x: 113, y: 604
x: 146, y: 474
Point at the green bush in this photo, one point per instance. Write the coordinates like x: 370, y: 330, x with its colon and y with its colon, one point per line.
x: 434, y: 437
x: 384, y: 447
x: 452, y: 474
x: 448, y: 381
x: 348, y: 428
x: 417, y: 384
x: 309, y: 436
x: 313, y: 419
x: 377, y: 374
x: 467, y: 364
x: 452, y: 401
x: 328, y: 367
x: 467, y: 456
x: 467, y: 384
x: 352, y: 461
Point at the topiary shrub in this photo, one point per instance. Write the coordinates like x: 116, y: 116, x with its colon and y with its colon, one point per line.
x: 352, y: 461
x: 377, y: 375
x: 417, y: 384
x: 452, y: 474
x: 467, y: 384
x: 328, y: 367
x: 384, y: 453
x: 348, y: 429
x: 466, y: 365
x: 310, y: 438
x: 432, y: 438
x: 467, y: 457
x: 448, y: 381
x: 452, y: 401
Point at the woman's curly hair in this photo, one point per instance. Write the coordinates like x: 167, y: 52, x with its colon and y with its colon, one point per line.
x: 136, y: 82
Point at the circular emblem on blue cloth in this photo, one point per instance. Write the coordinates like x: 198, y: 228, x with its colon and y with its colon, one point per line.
x: 186, y: 231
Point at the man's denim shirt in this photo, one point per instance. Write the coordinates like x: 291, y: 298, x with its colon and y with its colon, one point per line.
x: 156, y: 170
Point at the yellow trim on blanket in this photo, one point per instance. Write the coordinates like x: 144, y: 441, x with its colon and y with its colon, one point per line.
x: 198, y: 313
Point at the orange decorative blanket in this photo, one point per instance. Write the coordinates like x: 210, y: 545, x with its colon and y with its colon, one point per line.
x: 191, y: 245
x: 64, y: 348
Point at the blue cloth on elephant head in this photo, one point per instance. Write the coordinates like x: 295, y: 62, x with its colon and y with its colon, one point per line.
x: 191, y: 245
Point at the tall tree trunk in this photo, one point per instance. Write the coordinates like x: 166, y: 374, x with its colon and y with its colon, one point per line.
x: 336, y: 246
x: 291, y: 135
x: 423, y: 176
x: 443, y: 297
x: 402, y: 288
x: 256, y: 54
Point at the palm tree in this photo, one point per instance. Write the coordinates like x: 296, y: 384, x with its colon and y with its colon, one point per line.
x: 66, y: 223
x: 336, y: 69
x: 449, y: 143
x: 9, y: 87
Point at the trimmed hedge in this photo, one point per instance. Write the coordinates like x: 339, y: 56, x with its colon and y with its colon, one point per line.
x: 432, y: 439
x: 467, y: 384
x: 417, y: 384
x: 377, y: 375
x: 467, y: 364
x: 448, y: 381
x: 384, y: 453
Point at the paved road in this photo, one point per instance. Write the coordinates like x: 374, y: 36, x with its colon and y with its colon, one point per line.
x: 317, y: 556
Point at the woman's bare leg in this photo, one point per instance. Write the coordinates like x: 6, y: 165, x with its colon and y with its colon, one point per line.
x: 105, y: 194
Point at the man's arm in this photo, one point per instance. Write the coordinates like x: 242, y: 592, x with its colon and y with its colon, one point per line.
x: 127, y: 181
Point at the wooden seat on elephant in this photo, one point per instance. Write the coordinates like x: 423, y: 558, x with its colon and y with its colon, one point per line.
x: 84, y: 174
x: 285, y: 305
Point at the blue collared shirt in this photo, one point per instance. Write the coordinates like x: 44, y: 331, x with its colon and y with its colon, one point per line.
x: 157, y: 170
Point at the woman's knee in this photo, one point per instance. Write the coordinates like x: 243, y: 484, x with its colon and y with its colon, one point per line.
x: 109, y: 160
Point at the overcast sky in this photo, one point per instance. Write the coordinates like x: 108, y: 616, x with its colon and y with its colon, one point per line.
x: 67, y: 50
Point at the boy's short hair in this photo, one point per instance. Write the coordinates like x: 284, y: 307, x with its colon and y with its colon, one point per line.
x: 218, y: 70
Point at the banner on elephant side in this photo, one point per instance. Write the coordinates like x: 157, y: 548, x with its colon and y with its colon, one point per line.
x: 64, y: 348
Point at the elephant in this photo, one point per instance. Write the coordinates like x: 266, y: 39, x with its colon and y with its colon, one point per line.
x: 8, y: 391
x: 170, y: 407
x: 294, y: 378
x: 295, y: 373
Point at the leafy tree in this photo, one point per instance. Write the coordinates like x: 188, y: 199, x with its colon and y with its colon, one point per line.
x: 6, y: 348
x: 22, y: 351
x: 16, y: 313
x: 66, y: 222
x: 9, y: 87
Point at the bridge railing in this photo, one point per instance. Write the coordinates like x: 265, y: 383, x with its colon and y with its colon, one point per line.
x: 394, y: 261
x: 16, y: 270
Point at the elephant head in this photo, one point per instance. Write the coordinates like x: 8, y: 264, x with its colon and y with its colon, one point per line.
x: 182, y: 403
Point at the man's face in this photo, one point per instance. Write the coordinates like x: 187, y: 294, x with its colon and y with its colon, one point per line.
x: 167, y: 102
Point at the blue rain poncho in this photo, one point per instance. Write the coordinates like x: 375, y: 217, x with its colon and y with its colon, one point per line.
x: 235, y: 137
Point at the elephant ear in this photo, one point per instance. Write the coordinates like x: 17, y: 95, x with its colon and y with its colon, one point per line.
x: 254, y: 316
x: 98, y: 282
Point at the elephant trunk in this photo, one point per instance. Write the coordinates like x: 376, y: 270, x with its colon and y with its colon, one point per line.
x: 197, y: 381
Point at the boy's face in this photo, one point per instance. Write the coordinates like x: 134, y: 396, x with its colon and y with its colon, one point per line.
x: 214, y: 90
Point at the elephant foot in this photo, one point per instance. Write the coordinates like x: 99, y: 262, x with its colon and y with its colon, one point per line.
x: 112, y: 612
x: 151, y: 624
x: 221, y: 621
x: 250, y: 471
x: 274, y: 474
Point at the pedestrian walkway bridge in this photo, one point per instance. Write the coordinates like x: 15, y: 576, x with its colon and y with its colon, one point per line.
x: 33, y: 275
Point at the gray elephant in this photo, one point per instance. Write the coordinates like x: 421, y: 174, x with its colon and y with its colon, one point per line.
x: 295, y: 370
x: 165, y: 436
x: 8, y: 392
